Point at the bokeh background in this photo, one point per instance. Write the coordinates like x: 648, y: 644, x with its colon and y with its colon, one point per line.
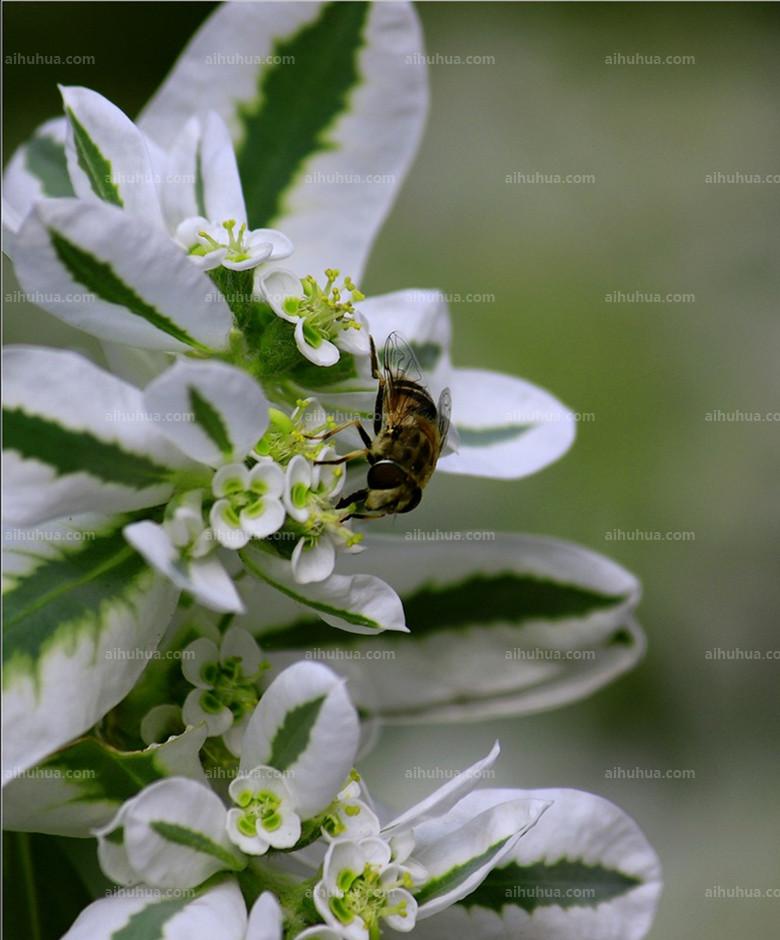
x: 548, y: 255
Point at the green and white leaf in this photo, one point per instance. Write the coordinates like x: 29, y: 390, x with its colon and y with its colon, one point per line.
x: 83, y: 615
x: 306, y: 727
x: 37, y: 170
x: 505, y: 627
x: 106, y: 272
x: 172, y: 835
x: 108, y: 158
x: 356, y: 603
x: 81, y: 444
x: 584, y: 872
x: 81, y: 787
x: 324, y: 137
x: 457, y: 858
x: 222, y: 412
x: 216, y: 910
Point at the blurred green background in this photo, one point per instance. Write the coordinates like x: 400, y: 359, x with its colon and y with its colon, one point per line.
x: 648, y: 372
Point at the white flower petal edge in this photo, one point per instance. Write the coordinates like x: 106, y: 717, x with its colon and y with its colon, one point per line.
x: 97, y: 125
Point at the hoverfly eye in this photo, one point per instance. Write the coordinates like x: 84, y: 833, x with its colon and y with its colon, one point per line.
x: 385, y: 475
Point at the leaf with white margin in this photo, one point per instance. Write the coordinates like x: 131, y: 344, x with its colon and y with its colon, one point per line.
x: 82, y: 786
x: 357, y: 603
x: 106, y: 272
x: 37, y: 170
x: 506, y: 427
x: 201, y: 176
x: 351, y: 105
x: 215, y: 910
x: 108, y: 158
x: 221, y: 411
x: 584, y: 872
x: 172, y: 835
x: 82, y: 443
x: 83, y: 615
x: 458, y: 858
x: 445, y: 797
x: 506, y: 627
x: 306, y: 727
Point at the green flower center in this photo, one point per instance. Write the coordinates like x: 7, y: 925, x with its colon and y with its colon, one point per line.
x: 364, y: 896
x: 236, y: 249
x: 325, y: 310
x: 263, y: 807
x: 229, y: 688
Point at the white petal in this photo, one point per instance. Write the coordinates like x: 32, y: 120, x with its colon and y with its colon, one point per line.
x: 228, y: 534
x: 276, y: 286
x: 324, y: 354
x: 204, y: 578
x: 211, y: 411
x: 232, y: 477
x: 133, y: 179
x: 267, y: 478
x: 266, y: 522
x: 251, y: 845
x: 313, y: 562
x: 300, y: 474
x: 155, y: 298
x: 280, y: 245
x: 194, y: 713
x: 240, y: 643
x: 195, y: 656
x: 403, y: 922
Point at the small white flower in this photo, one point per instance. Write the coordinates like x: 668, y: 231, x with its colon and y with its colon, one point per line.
x: 361, y: 887
x: 225, y: 680
x: 249, y: 503
x: 349, y: 816
x: 310, y: 493
x: 325, y: 322
x: 230, y: 244
x: 265, y: 816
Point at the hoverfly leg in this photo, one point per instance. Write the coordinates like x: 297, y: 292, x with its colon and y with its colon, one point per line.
x: 355, y: 423
x: 352, y: 455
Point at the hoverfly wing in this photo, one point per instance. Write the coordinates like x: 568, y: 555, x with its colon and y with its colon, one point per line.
x: 399, y: 361
x: 444, y: 410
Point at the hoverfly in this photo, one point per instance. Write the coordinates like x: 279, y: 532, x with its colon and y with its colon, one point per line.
x: 410, y: 432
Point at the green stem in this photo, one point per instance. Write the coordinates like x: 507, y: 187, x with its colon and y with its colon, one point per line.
x: 25, y: 859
